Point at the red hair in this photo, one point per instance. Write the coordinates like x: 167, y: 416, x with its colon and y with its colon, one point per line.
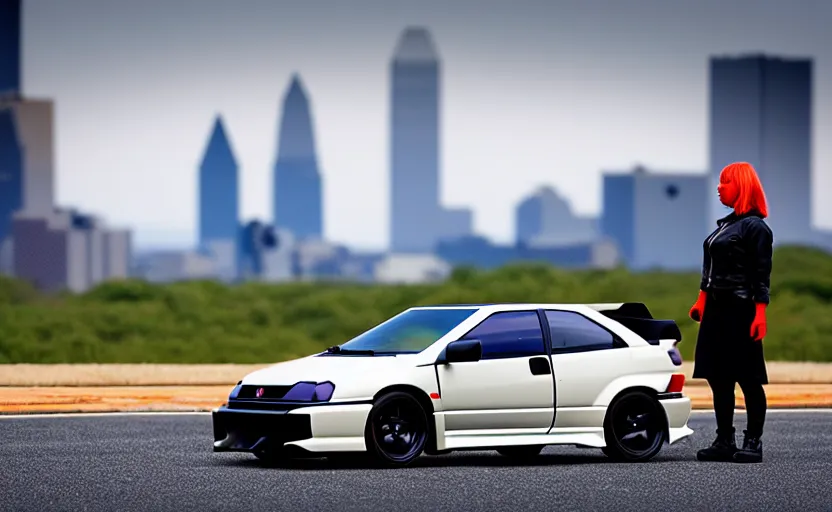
x: 752, y: 197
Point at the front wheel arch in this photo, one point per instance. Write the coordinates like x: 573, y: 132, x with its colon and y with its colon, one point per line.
x: 426, y: 403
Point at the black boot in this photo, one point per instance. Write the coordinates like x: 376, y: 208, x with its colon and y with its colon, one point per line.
x: 722, y: 449
x: 752, y: 450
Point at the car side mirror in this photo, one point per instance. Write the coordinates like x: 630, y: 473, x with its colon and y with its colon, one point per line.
x: 461, y: 351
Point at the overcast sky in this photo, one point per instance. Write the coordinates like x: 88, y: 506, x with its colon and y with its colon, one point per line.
x: 534, y: 92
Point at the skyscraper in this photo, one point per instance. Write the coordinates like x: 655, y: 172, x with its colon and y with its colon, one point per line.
x: 761, y: 112
x: 33, y: 118
x: 298, y: 194
x: 10, y: 21
x: 11, y: 172
x: 414, y: 151
x: 36, y: 130
x: 218, y: 190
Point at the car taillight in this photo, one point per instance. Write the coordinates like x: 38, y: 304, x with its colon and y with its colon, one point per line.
x: 676, y: 384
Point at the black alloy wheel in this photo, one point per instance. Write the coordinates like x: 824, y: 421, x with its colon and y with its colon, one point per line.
x: 634, y: 427
x: 397, y: 429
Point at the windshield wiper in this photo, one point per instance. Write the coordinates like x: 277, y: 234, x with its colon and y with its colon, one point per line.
x: 338, y: 350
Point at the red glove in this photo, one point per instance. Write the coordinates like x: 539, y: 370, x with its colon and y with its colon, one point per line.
x: 758, y: 326
x: 698, y: 308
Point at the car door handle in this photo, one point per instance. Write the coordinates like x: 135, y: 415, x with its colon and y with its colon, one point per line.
x: 540, y: 366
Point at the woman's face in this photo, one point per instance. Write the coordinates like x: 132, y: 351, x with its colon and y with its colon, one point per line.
x: 727, y: 191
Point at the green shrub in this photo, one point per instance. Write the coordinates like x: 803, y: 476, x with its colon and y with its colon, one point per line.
x: 207, y: 322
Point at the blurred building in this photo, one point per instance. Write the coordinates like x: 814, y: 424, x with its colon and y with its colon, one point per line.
x: 454, y: 223
x: 68, y: 250
x: 298, y: 194
x: 33, y: 121
x: 657, y: 220
x: 414, y: 150
x: 7, y: 256
x: 170, y: 266
x: 35, y: 125
x: 411, y: 269
x: 417, y: 219
x: 545, y: 219
x: 54, y: 249
x: 219, y: 204
x: 361, y: 267
x: 319, y: 259
x: 478, y: 251
x: 822, y: 238
x: 11, y: 174
x: 267, y: 254
x: 10, y: 48
x: 761, y: 112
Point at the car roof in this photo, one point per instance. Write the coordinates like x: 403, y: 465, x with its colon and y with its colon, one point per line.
x: 635, y: 309
x: 536, y: 305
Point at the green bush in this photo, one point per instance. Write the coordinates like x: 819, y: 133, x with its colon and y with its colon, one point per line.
x: 206, y: 322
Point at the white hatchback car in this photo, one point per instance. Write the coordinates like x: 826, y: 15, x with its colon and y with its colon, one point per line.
x: 508, y: 377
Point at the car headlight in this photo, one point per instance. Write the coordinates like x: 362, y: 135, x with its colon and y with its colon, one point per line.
x: 236, y: 390
x: 310, y: 392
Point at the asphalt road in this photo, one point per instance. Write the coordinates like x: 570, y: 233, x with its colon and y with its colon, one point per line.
x: 165, y: 462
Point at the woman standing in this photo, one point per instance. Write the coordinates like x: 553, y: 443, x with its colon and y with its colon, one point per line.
x: 731, y: 307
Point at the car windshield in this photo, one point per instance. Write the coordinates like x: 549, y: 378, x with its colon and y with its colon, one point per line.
x: 409, y: 332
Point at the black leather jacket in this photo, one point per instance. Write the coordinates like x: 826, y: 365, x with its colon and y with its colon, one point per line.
x: 737, y: 257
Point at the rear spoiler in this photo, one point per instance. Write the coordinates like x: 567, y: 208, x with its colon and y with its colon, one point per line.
x: 637, y: 317
x: 629, y: 309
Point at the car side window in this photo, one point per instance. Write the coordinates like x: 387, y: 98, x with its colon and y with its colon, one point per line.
x: 572, y: 332
x: 509, y: 334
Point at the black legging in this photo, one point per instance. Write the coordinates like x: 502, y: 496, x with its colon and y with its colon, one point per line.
x: 755, y: 406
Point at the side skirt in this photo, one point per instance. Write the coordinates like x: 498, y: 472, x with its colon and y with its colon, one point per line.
x: 588, y: 437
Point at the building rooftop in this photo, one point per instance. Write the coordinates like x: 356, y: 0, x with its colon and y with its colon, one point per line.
x: 415, y: 45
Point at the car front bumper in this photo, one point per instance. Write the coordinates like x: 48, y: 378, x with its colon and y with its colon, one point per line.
x: 251, y: 430
x: 335, y: 427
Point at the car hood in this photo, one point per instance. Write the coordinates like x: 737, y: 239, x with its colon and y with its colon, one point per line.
x: 328, y: 368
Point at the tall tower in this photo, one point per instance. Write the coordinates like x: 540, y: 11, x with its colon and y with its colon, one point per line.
x: 11, y: 172
x: 10, y: 21
x: 414, y: 145
x: 761, y: 112
x: 298, y: 201
x: 33, y: 117
x: 218, y: 190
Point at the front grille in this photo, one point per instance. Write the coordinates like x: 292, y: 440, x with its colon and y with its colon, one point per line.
x: 269, y: 392
x: 243, y: 431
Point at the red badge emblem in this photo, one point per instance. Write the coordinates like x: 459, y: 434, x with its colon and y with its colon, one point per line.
x: 259, y: 392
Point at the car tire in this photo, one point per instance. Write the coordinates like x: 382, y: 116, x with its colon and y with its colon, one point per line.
x: 397, y: 429
x: 520, y: 452
x: 634, y: 427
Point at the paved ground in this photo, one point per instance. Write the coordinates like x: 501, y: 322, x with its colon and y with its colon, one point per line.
x: 164, y: 462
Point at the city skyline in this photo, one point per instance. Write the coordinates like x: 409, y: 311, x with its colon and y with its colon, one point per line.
x: 473, y: 150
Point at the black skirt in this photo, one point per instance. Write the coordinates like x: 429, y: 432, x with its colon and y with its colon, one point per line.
x: 725, y: 348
